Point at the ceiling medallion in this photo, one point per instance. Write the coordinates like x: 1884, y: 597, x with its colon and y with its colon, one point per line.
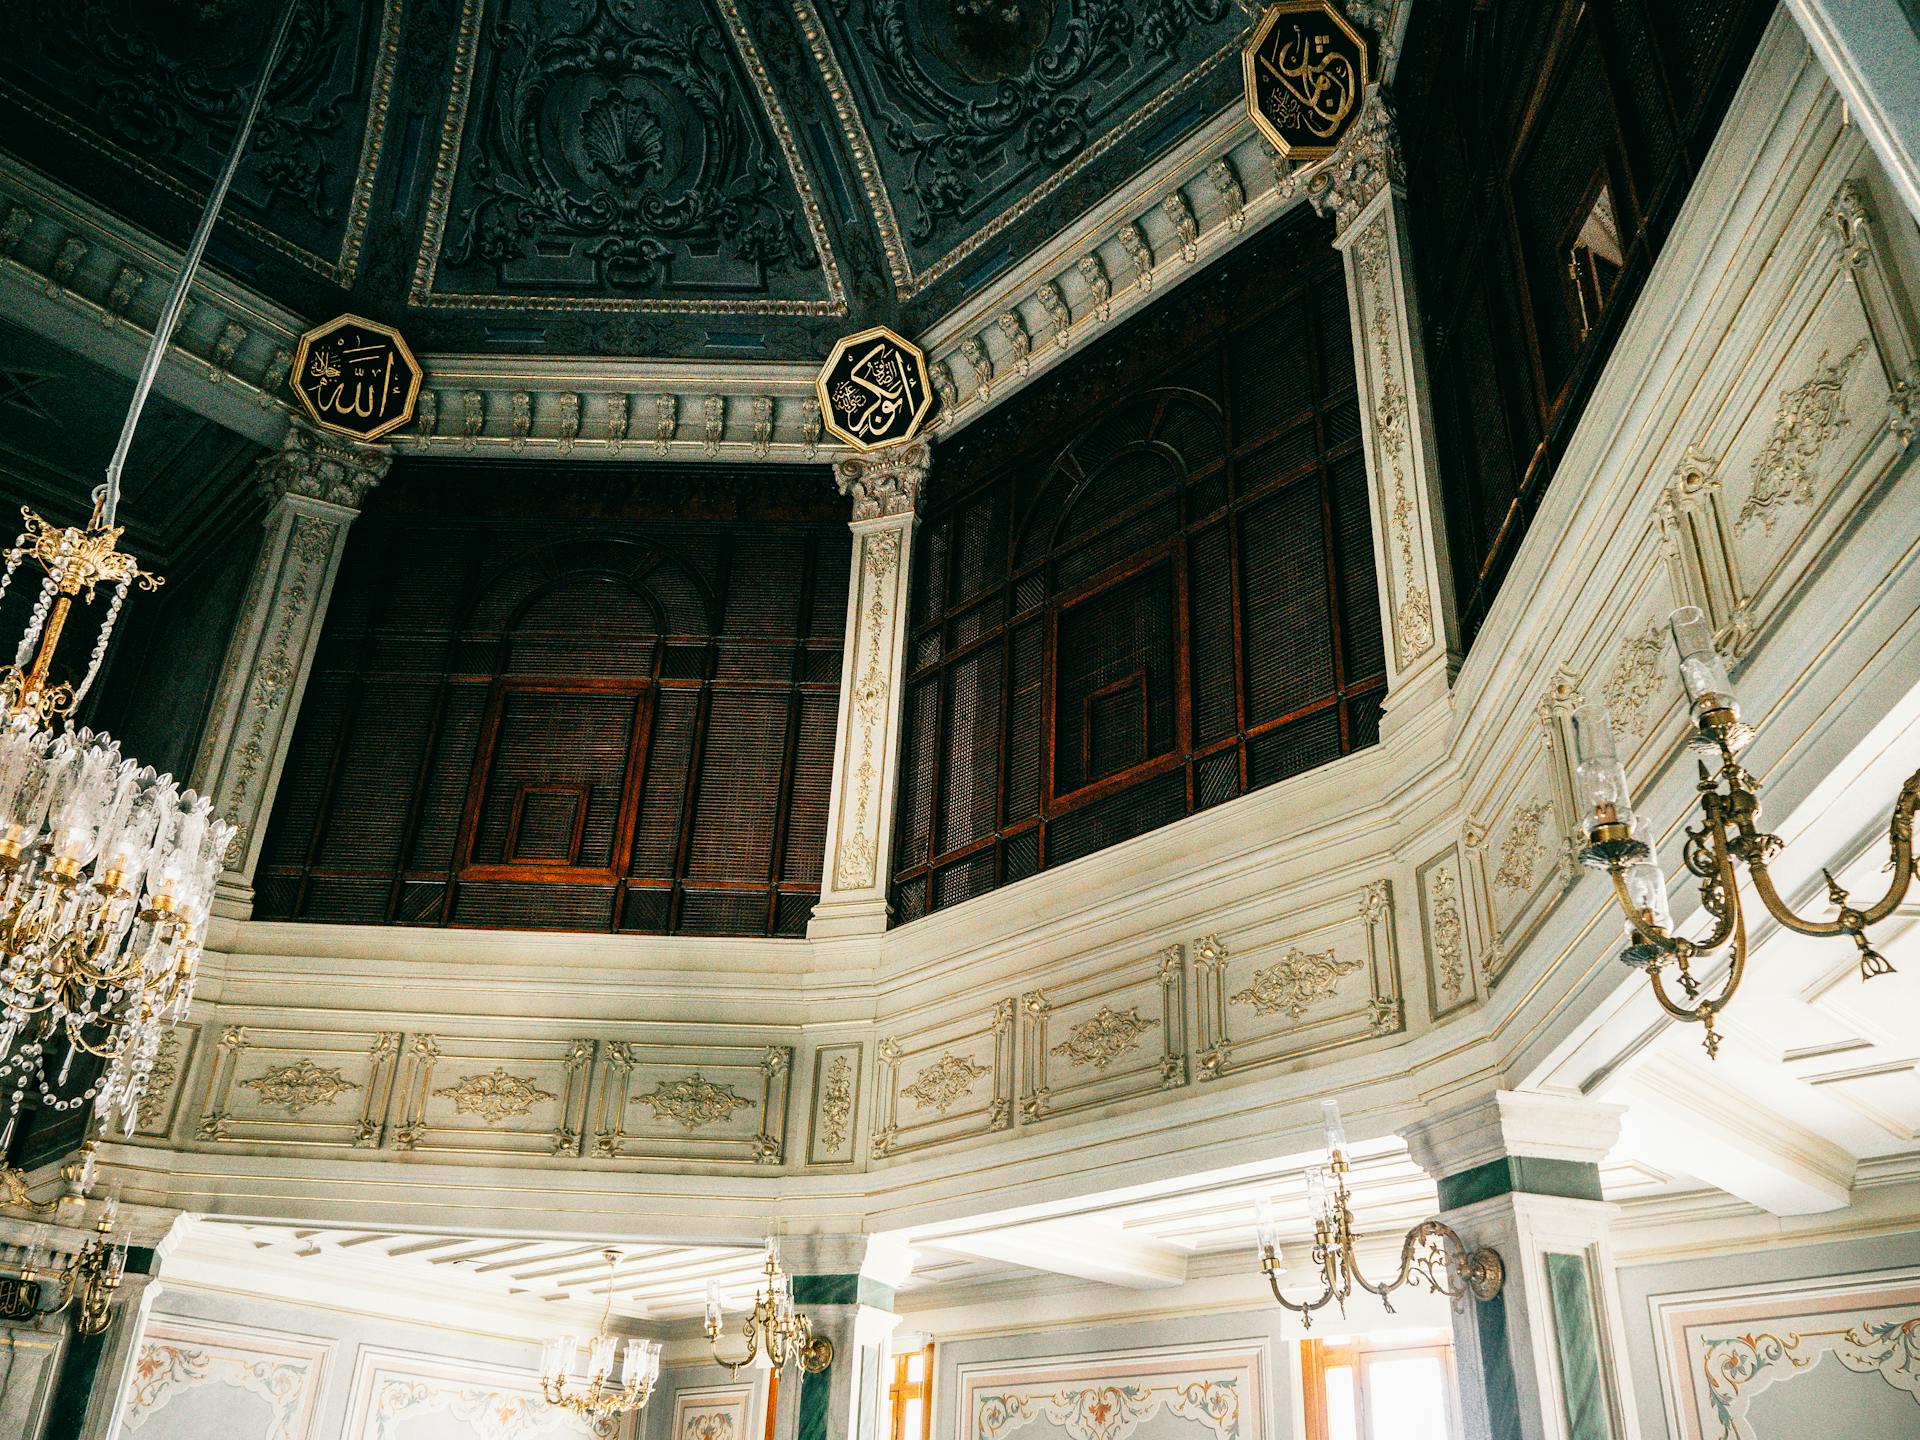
x: 1306, y: 73
x: 355, y: 377
x: 874, y: 389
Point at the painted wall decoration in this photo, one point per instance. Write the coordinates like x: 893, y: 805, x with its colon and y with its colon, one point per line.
x: 714, y: 1412
x: 402, y: 1396
x: 1842, y: 1358
x: 187, y: 1372
x: 1203, y: 1393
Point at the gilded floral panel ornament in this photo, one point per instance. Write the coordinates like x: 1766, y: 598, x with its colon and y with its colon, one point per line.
x: 495, y: 1095
x: 1809, y: 416
x: 940, y: 1085
x: 1295, y: 983
x: 1522, y: 846
x: 1635, y: 680
x: 693, y: 1103
x: 836, y: 1104
x: 1449, y: 933
x: 299, y: 1086
x: 1105, y: 1037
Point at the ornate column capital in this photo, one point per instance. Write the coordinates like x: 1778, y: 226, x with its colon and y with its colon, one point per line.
x: 316, y: 468
x: 1367, y: 163
x: 886, y: 482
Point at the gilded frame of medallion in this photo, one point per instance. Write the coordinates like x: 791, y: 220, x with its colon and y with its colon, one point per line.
x: 1108, y: 1034
x: 915, y: 429
x: 938, y: 1060
x: 305, y: 347
x: 473, y: 1088
x: 1311, y: 1031
x: 309, y: 1076
x: 854, y: 131
x: 690, y: 1078
x: 1269, y: 18
x: 422, y: 295
x: 344, y: 268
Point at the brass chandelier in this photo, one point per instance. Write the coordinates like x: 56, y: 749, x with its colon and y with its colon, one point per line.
x: 1728, y: 831
x: 106, y: 867
x: 87, y: 1279
x: 776, y: 1334
x: 601, y: 1402
x: 1433, y: 1254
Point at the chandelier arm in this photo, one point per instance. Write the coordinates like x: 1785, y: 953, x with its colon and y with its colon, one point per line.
x: 1900, y: 842
x: 1304, y: 1308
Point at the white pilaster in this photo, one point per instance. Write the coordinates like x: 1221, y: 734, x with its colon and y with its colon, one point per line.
x: 885, y: 487
x: 1544, y: 1359
x: 1363, y: 188
x: 314, y: 488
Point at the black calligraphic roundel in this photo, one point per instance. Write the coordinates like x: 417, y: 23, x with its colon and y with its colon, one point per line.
x: 1306, y: 74
x: 874, y: 390
x: 355, y: 377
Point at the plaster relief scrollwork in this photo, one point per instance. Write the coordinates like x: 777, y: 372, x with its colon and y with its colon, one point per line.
x: 1175, y: 207
x: 1365, y: 165
x: 495, y: 1095
x: 693, y: 1103
x: 836, y: 1103
x: 1786, y: 471
x: 1413, y: 628
x: 299, y: 1086
x: 942, y: 1084
x: 1449, y: 934
x: 1522, y: 846
x: 1295, y: 984
x: 1105, y: 1037
x: 151, y: 1115
x: 1638, y: 669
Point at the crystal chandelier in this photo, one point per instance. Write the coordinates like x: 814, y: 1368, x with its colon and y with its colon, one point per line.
x: 774, y: 1331
x: 1729, y: 831
x: 106, y: 868
x: 1433, y: 1254
x: 601, y: 1402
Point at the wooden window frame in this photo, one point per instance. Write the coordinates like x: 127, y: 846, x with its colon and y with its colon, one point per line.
x: 901, y: 1390
x: 1319, y: 1356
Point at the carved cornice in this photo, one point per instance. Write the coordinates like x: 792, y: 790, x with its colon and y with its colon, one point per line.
x: 886, y: 482
x: 1366, y: 164
x: 319, y: 469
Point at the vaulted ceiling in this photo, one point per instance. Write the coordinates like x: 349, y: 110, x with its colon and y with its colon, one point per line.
x: 622, y: 177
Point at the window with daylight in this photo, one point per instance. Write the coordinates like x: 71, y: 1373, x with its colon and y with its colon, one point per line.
x: 1147, y: 585
x: 910, y: 1396
x: 574, y: 702
x: 1548, y: 149
x: 1395, y: 1388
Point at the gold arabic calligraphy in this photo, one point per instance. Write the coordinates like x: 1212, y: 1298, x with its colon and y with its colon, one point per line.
x: 878, y: 388
x: 1318, y: 85
x: 355, y: 380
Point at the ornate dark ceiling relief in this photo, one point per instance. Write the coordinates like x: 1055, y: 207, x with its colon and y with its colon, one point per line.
x: 978, y: 112
x: 609, y: 154
x: 155, y: 87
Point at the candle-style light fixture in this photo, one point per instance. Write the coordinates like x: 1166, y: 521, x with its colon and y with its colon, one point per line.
x: 1728, y: 831
x: 107, y: 869
x: 776, y: 1334
x: 1433, y: 1254
x: 87, y: 1279
x: 597, y: 1399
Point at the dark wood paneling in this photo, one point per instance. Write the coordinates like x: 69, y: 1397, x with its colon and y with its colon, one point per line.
x: 1146, y: 584
x: 571, y: 698
x: 1514, y: 115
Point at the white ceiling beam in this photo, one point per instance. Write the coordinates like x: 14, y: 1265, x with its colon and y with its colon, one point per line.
x: 1086, y: 1252
x: 1682, y: 1116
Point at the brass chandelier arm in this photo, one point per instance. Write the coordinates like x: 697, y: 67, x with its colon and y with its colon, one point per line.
x: 1476, y: 1273
x: 1852, y: 919
x: 1305, y: 1308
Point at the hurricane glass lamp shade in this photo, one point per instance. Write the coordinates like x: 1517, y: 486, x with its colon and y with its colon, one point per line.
x: 1646, y: 885
x: 1702, y: 671
x: 1266, y: 1230
x: 1317, y: 1192
x: 1601, y: 778
x: 713, y: 1307
x: 1336, y: 1127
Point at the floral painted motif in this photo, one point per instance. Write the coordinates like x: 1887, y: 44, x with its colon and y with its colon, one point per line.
x: 1738, y: 1367
x: 491, y: 1414
x: 170, y: 1365
x: 1112, y: 1411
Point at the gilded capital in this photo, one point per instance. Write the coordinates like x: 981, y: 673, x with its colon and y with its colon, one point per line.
x: 886, y: 482
x: 1366, y: 163
x: 320, y: 469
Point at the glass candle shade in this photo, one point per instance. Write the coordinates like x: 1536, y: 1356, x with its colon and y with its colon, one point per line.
x: 1598, y: 773
x: 1336, y: 1128
x: 1266, y: 1230
x: 1702, y: 670
x: 1646, y: 885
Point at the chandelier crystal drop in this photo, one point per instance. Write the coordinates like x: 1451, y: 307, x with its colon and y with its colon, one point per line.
x: 106, y: 867
x: 600, y: 1401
